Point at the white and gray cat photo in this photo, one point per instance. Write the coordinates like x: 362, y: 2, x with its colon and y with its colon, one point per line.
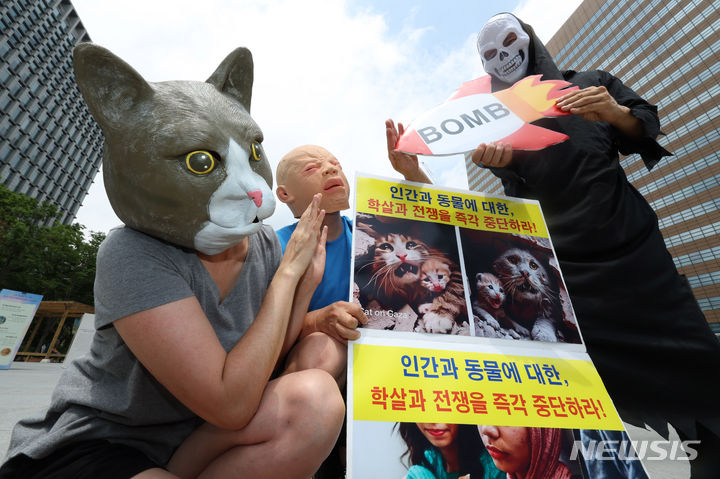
x: 516, y: 288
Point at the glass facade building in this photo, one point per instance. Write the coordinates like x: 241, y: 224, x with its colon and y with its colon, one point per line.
x: 50, y: 146
x: 668, y: 52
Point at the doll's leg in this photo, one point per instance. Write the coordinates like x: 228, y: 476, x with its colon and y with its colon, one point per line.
x: 293, y: 430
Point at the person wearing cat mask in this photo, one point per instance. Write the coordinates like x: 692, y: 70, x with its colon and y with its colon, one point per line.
x: 196, y: 307
x: 639, y: 319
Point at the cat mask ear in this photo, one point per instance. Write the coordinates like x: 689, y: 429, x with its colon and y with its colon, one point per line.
x: 234, y: 76
x: 110, y: 86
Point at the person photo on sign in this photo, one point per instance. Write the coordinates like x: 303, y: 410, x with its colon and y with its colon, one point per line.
x: 639, y: 319
x: 446, y: 451
x: 526, y: 452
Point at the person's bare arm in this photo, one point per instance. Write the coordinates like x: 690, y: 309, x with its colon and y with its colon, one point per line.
x: 179, y: 347
x: 596, y: 104
x: 405, y: 164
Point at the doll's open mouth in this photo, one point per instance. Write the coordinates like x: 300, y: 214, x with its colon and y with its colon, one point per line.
x: 334, y: 184
x: 256, y: 220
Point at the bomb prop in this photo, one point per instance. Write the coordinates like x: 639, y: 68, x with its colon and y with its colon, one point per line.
x: 474, y: 115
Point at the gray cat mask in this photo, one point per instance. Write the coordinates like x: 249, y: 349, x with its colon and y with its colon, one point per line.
x: 182, y: 160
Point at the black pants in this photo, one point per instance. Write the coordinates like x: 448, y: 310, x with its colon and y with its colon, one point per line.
x: 84, y: 460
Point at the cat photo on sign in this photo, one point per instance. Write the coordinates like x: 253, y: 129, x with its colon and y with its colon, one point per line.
x: 516, y: 289
x: 408, y: 277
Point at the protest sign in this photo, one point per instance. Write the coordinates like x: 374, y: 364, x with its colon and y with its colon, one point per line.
x: 16, y: 313
x: 471, y: 339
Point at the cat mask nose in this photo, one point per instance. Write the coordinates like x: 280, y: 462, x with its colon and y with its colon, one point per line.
x: 256, y: 196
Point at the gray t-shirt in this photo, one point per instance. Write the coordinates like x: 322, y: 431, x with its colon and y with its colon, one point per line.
x: 108, y: 394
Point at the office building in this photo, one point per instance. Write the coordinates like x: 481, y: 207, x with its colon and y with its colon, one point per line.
x: 50, y: 147
x: 669, y: 53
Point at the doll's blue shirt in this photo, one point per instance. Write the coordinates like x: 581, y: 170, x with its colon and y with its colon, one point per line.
x: 335, y: 283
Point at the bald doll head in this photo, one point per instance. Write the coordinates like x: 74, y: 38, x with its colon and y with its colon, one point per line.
x: 306, y: 171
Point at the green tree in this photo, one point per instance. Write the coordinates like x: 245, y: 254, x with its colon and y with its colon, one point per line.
x: 55, y: 261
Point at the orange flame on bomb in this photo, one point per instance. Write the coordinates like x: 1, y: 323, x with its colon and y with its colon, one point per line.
x: 532, y: 98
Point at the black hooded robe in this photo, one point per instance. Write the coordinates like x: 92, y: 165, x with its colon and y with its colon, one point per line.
x: 639, y: 319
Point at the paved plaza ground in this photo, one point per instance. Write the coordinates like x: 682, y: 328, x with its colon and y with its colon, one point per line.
x: 26, y: 388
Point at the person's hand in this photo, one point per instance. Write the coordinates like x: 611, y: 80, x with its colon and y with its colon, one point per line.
x: 595, y: 103
x: 305, y: 240
x: 592, y: 103
x: 339, y: 320
x: 405, y: 164
x: 496, y: 155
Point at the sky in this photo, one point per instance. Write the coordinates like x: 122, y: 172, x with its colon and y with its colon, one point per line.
x: 327, y: 72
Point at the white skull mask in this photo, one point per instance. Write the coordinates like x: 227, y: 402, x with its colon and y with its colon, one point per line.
x: 503, y: 47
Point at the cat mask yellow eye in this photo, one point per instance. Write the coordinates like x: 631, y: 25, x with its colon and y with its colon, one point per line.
x: 200, y: 162
x: 257, y: 151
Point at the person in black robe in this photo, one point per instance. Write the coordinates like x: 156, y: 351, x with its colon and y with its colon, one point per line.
x: 638, y: 317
